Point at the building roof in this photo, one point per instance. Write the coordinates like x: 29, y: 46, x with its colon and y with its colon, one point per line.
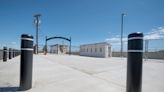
x: 57, y: 45
x: 106, y: 43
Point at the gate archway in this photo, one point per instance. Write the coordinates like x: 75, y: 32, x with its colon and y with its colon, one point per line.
x: 58, y: 37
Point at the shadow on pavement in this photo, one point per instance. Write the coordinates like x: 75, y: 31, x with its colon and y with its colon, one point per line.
x: 9, y: 89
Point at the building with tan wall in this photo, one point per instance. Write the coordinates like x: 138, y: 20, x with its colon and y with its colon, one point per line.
x: 102, y: 49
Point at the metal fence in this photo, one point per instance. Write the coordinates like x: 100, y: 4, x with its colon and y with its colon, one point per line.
x: 153, y: 49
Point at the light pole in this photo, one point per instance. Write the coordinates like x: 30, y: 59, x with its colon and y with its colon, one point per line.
x: 122, y: 21
x: 37, y: 22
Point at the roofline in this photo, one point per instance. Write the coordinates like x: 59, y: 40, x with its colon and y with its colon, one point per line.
x: 96, y: 43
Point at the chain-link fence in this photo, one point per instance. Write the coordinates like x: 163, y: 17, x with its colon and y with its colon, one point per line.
x: 75, y: 50
x: 153, y: 49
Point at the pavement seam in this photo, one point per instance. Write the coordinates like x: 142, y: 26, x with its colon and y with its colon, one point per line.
x: 92, y: 75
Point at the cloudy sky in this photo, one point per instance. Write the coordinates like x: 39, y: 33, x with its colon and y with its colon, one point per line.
x: 86, y: 21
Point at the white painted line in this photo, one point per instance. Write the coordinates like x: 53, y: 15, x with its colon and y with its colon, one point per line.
x: 134, y: 38
x: 29, y: 39
x: 135, y: 50
x: 30, y: 49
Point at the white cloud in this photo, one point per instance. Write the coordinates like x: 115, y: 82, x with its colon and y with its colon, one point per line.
x: 161, y: 30
x: 117, y: 43
x: 112, y: 39
x: 155, y: 34
x: 13, y: 42
x: 116, y: 40
x: 160, y: 27
x: 152, y: 36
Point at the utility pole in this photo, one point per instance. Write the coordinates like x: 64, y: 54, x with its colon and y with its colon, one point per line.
x: 122, y: 21
x: 37, y: 22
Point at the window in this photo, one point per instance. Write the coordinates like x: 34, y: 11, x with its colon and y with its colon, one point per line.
x: 81, y: 49
x: 91, y: 49
x: 95, y: 49
x: 100, y: 49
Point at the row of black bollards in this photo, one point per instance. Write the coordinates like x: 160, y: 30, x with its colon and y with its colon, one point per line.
x: 9, y: 54
x: 26, y: 60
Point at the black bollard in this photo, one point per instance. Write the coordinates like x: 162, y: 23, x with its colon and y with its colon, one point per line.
x: 10, y: 53
x: 134, y: 63
x: 16, y: 53
x: 4, y: 54
x: 26, y: 62
x: 13, y: 53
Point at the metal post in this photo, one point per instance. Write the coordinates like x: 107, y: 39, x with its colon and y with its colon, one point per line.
x: 134, y: 63
x: 122, y: 21
x: 70, y: 47
x: 16, y: 52
x: 10, y: 53
x: 26, y: 62
x: 37, y: 40
x: 57, y: 49
x: 37, y: 21
x: 46, y: 46
x: 4, y: 54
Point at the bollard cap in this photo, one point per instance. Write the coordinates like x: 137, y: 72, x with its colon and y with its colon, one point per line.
x: 136, y: 34
x: 27, y: 36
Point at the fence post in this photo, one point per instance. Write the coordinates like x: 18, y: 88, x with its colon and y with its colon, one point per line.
x: 134, y: 62
x: 26, y: 62
x: 4, y: 54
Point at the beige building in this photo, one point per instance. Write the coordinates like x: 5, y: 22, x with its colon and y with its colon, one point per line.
x: 58, y: 49
x: 102, y: 49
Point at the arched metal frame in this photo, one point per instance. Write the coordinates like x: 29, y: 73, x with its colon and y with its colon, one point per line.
x: 58, y: 37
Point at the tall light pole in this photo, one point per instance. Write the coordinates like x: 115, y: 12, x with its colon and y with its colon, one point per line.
x: 37, y: 22
x: 122, y: 21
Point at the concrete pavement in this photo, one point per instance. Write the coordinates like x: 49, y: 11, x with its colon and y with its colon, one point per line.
x: 63, y: 73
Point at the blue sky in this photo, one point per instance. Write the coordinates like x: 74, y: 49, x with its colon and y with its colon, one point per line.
x: 86, y: 21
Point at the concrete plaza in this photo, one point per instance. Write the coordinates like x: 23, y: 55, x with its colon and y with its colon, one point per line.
x: 64, y: 73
